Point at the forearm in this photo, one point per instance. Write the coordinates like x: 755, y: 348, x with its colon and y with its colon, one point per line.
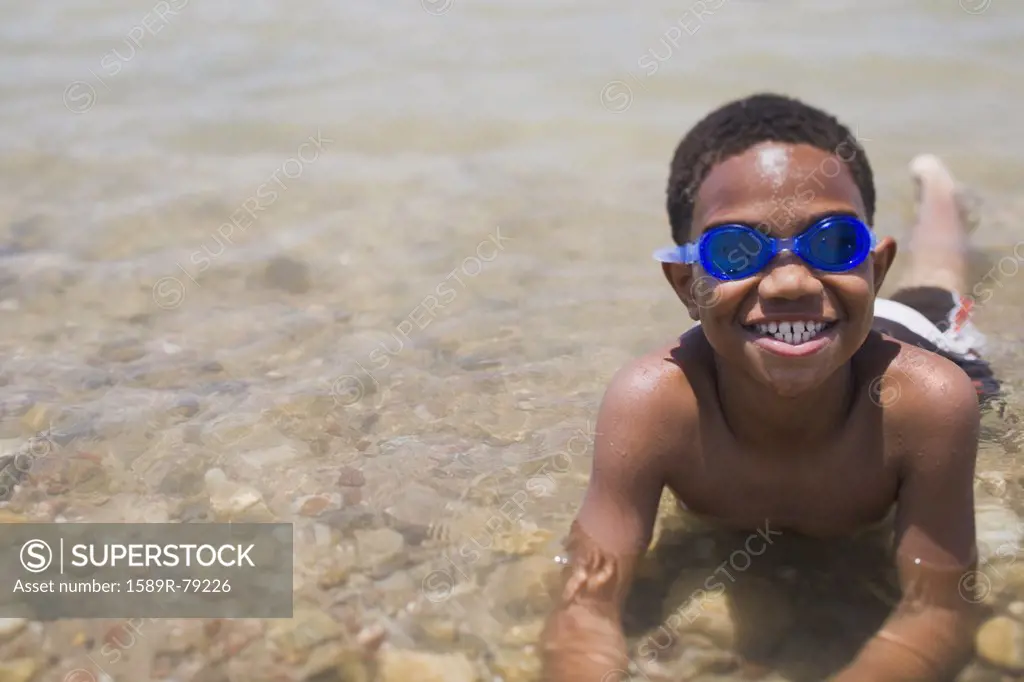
x: 583, y: 639
x: 931, y: 645
x: 882, y: 660
x: 582, y: 645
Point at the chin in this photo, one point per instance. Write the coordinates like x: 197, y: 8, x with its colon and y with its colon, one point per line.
x: 792, y: 382
x: 792, y: 389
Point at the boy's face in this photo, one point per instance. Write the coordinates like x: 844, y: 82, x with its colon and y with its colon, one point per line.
x: 782, y: 189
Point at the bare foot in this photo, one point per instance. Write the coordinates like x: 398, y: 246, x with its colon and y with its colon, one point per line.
x: 929, y: 169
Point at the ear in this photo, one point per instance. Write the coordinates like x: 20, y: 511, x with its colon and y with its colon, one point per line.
x: 881, y: 261
x: 694, y: 291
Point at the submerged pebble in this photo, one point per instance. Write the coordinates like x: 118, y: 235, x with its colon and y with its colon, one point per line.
x: 416, y: 509
x: 10, y: 627
x: 521, y: 635
x: 315, y: 505
x: 439, y: 629
x: 123, y: 351
x: 18, y: 670
x: 380, y: 550
x: 518, y: 665
x: 401, y: 665
x: 1000, y: 642
x: 287, y: 274
x: 230, y: 501
x: 351, y: 477
x: 292, y: 640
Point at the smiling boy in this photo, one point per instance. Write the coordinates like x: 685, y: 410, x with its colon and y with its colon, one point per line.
x: 787, y: 403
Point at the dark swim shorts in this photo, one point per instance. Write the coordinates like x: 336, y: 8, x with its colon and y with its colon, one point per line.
x: 938, y: 320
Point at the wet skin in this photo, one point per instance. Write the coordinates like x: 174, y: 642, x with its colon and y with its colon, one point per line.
x: 818, y: 476
x: 747, y: 432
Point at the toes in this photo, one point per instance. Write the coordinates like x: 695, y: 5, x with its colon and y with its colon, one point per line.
x: 929, y: 169
x: 932, y: 175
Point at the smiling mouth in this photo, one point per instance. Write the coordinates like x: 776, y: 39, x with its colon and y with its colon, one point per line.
x: 791, y: 332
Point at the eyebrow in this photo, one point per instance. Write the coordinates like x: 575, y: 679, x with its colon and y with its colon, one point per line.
x: 808, y: 223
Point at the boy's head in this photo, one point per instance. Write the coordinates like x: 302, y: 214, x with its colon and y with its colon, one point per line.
x: 784, y: 169
x: 736, y: 127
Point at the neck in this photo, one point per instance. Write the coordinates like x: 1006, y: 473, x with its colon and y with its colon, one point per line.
x: 760, y: 417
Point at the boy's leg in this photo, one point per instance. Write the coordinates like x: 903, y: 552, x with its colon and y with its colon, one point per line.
x: 927, y: 309
x: 936, y: 248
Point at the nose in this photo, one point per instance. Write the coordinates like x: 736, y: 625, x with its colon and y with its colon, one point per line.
x: 788, y: 277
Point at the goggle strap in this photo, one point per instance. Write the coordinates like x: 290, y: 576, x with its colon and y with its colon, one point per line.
x: 687, y: 253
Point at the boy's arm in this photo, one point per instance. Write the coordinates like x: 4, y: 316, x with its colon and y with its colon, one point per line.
x: 930, y: 634
x: 583, y: 639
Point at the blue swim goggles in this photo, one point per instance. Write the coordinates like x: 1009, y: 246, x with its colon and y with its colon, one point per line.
x: 728, y: 252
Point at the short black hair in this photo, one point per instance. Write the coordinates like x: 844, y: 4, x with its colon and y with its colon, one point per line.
x: 739, y: 125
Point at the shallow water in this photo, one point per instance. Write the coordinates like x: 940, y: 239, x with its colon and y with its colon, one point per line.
x: 443, y: 214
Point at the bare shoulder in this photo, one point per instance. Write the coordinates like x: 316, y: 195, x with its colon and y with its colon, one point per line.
x: 653, y: 398
x: 927, y: 402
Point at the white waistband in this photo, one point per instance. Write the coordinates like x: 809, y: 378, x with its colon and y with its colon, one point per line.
x: 963, y: 339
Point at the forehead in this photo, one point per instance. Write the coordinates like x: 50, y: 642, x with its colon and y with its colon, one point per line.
x: 782, y: 185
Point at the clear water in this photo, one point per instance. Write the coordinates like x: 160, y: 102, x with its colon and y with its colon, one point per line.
x: 468, y: 247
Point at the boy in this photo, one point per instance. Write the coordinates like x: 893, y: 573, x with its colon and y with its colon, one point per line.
x: 786, y: 404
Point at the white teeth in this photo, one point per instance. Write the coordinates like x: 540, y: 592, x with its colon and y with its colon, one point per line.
x: 792, y: 332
